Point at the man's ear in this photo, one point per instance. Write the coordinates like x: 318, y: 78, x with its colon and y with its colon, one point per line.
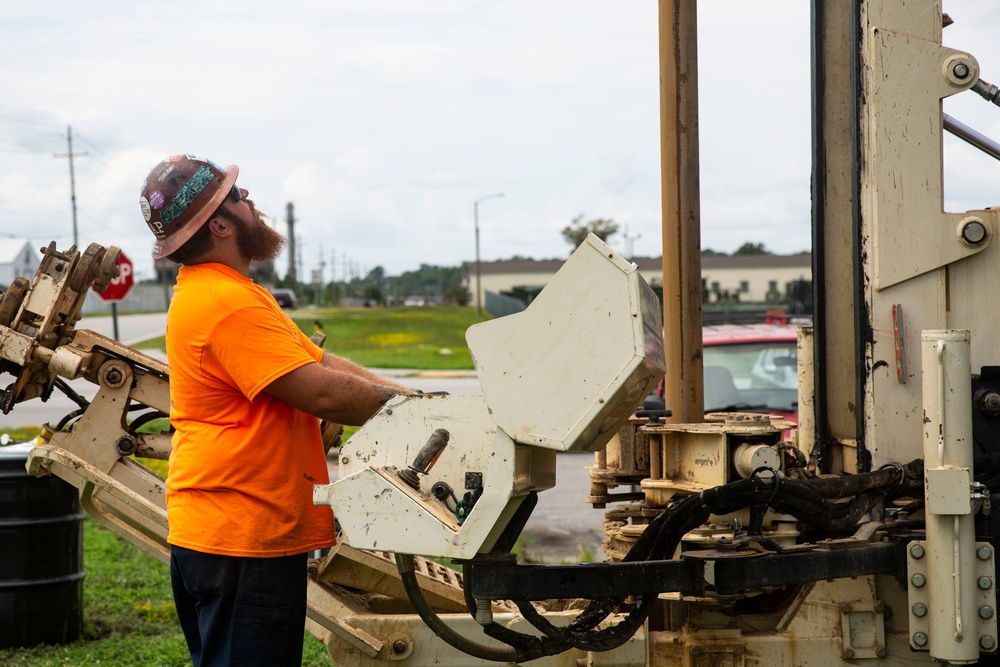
x: 219, y: 226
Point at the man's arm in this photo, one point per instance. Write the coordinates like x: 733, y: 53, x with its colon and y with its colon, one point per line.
x: 335, y: 394
x: 335, y: 363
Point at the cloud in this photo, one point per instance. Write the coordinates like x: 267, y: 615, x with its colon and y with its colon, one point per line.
x: 384, y: 121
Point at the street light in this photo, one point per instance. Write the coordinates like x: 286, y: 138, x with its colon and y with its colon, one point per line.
x: 475, y: 216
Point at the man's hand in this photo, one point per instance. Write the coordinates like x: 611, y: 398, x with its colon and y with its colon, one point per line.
x: 332, y: 434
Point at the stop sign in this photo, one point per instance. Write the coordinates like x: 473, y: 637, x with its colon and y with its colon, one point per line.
x: 119, y: 288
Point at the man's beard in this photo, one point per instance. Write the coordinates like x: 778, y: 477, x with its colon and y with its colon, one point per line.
x: 256, y: 241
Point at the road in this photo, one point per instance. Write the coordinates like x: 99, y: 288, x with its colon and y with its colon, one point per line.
x: 562, y: 527
x: 132, y: 329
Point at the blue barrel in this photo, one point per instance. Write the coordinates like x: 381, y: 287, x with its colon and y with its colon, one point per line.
x: 41, y: 555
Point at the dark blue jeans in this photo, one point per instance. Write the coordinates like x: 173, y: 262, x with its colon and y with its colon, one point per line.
x: 239, y: 611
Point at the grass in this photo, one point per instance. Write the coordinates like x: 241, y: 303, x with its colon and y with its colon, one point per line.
x: 20, y: 434
x: 424, y: 338
x: 128, y: 614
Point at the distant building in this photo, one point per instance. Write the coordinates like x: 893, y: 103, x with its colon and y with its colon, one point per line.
x: 752, y: 278
x: 724, y: 278
x: 18, y: 258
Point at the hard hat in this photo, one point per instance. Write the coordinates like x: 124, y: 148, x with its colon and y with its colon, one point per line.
x: 179, y: 196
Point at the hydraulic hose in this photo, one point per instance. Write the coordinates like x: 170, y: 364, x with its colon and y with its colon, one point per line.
x: 832, y: 503
x: 64, y: 387
x: 497, y: 631
x: 808, y: 500
x: 542, y: 646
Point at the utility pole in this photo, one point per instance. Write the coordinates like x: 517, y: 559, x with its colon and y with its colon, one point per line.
x: 299, y: 270
x: 72, y: 178
x: 333, y: 277
x: 290, y: 215
x: 319, y: 286
x: 475, y: 218
x: 630, y: 243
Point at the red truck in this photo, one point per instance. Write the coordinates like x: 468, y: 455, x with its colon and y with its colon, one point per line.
x: 750, y: 368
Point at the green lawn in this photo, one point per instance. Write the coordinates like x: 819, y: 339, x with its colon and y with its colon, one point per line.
x: 430, y: 338
x: 128, y: 614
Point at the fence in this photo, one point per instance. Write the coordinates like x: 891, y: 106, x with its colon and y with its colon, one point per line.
x: 144, y: 298
x: 499, y: 305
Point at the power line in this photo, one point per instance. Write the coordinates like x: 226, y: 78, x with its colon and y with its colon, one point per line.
x: 96, y: 152
x: 8, y: 118
x: 23, y: 134
x: 72, y: 178
x: 14, y: 148
x: 84, y: 139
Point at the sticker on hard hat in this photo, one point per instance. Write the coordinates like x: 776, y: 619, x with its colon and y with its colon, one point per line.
x: 156, y: 200
x: 186, y: 194
x: 144, y: 207
x: 163, y: 174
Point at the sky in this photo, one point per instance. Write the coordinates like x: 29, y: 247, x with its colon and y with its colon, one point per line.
x: 384, y: 121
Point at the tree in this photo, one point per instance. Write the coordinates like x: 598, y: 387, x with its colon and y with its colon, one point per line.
x: 459, y: 296
x: 376, y: 275
x: 749, y: 248
x: 428, y: 281
x: 576, y: 232
x: 708, y: 252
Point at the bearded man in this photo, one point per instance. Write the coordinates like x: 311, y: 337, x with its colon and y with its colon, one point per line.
x: 247, y: 392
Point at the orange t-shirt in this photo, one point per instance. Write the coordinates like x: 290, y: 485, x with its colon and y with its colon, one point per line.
x: 243, y: 463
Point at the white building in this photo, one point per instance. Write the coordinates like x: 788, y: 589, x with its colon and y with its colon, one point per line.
x: 743, y: 278
x: 18, y: 258
x: 752, y: 278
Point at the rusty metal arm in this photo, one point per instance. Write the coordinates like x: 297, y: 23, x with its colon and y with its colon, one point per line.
x: 135, y: 517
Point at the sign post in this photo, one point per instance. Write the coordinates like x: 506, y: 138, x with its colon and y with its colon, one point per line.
x: 119, y: 288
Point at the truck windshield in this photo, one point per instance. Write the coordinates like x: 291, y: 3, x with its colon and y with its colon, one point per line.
x: 751, y: 375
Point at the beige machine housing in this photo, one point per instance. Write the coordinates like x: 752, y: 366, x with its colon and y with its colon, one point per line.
x: 565, y: 374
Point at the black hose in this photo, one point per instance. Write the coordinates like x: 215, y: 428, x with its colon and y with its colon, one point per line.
x: 834, y: 503
x: 814, y: 501
x: 147, y: 417
x: 67, y: 419
x: 64, y: 387
x: 664, y: 534
x: 591, y: 640
x: 543, y: 646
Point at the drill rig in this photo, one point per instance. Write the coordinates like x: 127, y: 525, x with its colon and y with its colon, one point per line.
x: 868, y: 535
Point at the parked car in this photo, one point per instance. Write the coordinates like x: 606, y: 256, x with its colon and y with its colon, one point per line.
x: 749, y: 368
x: 284, y: 297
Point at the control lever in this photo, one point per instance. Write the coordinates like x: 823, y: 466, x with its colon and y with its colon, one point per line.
x: 426, y: 458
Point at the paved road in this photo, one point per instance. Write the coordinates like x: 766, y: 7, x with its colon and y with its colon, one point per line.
x: 562, y: 527
x: 132, y: 329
